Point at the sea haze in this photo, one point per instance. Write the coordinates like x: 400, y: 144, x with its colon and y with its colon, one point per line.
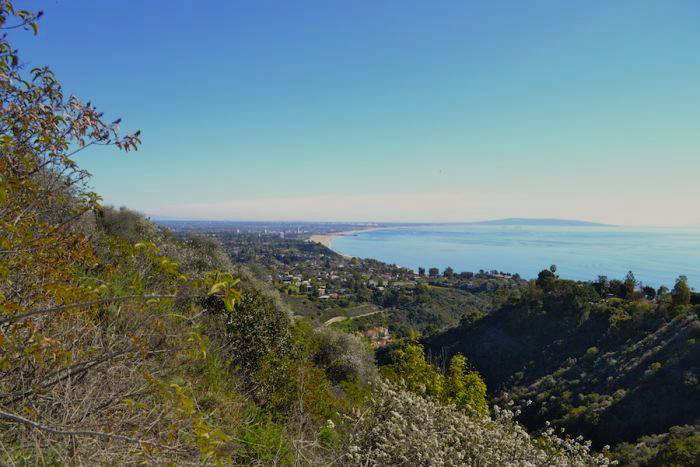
x: 656, y: 255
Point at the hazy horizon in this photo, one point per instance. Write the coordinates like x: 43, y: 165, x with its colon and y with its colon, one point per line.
x: 292, y: 220
x: 402, y: 112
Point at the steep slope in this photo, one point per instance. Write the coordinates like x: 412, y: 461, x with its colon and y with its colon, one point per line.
x: 611, y: 369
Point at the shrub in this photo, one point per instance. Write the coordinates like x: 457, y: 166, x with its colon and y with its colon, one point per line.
x: 463, y: 388
x: 264, y: 442
x: 403, y: 428
x: 286, y: 386
x: 198, y: 255
x: 328, y: 436
x: 254, y: 330
x: 679, y: 451
x: 124, y: 223
x: 466, y: 389
x: 344, y: 357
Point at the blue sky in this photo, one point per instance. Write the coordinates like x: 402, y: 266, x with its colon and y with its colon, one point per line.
x: 390, y: 110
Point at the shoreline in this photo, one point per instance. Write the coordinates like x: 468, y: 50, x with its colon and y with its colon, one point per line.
x: 327, y: 239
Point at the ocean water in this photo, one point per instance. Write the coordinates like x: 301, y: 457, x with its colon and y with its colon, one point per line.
x: 656, y: 255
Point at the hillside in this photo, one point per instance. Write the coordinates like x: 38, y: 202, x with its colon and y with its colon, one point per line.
x: 611, y: 368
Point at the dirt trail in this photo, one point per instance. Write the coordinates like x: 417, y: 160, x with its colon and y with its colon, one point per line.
x: 337, y: 319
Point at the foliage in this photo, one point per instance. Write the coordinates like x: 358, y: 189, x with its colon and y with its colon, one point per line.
x: 610, y: 368
x: 679, y: 451
x: 44, y: 205
x: 103, y: 354
x: 465, y: 389
x: 681, y: 292
x: 254, y: 329
x: 344, y: 357
x: 402, y: 428
x: 265, y: 442
x: 678, y: 447
x: 286, y: 386
x: 410, y: 370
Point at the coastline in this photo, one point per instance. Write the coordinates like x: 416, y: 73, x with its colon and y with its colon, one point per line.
x: 527, y: 250
x: 327, y: 239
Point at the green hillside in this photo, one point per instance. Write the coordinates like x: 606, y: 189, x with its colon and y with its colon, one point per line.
x: 601, y: 360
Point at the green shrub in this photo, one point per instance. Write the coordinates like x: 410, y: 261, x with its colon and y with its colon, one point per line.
x: 679, y: 451
x: 285, y: 386
x: 255, y: 329
x: 463, y: 388
x: 328, y: 436
x: 264, y: 442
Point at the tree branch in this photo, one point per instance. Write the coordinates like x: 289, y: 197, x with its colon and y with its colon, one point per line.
x: 56, y: 309
x: 70, y: 371
x: 58, y: 431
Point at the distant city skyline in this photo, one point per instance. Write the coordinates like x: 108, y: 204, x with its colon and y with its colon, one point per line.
x: 389, y: 111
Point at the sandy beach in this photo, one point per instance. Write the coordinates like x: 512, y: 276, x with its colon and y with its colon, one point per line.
x: 327, y: 239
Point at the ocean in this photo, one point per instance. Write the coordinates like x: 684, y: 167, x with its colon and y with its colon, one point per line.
x: 656, y: 256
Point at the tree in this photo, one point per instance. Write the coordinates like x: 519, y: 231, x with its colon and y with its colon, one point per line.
x: 465, y: 389
x: 617, y: 288
x: 421, y: 271
x: 410, y: 368
x: 546, y: 279
x: 255, y: 329
x: 695, y: 298
x: 602, y: 285
x: 448, y: 272
x: 433, y: 272
x: 45, y: 206
x: 680, y: 295
x: 649, y: 292
x: 630, y: 284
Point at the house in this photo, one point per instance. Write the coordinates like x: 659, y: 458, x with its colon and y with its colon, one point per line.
x: 378, y: 336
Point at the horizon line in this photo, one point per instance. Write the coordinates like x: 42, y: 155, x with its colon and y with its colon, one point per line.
x: 156, y: 218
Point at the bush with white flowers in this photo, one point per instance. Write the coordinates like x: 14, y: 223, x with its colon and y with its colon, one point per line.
x: 402, y: 428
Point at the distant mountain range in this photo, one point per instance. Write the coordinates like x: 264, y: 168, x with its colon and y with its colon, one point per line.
x: 528, y: 221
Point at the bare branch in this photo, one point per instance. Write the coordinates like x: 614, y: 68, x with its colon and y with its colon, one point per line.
x: 56, y: 309
x: 58, y: 431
